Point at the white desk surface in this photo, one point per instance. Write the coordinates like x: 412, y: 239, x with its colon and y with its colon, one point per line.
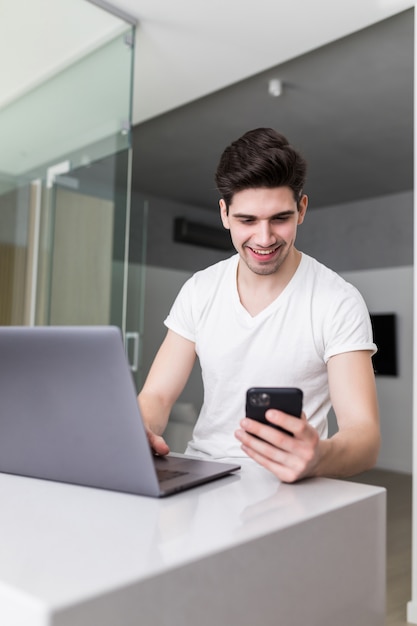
x: 60, y: 544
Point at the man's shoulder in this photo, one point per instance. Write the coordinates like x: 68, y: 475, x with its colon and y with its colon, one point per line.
x: 323, y: 276
x: 205, y: 287
x: 329, y: 290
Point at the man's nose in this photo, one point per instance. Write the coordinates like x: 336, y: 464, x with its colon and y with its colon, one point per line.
x: 265, y: 236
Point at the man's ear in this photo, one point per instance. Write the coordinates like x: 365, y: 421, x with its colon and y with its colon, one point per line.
x: 302, y: 208
x: 223, y: 214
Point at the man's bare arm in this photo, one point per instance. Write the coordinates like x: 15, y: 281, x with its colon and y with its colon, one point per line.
x: 353, y: 449
x: 166, y: 380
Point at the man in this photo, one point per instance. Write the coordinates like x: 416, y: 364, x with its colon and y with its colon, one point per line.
x: 269, y: 316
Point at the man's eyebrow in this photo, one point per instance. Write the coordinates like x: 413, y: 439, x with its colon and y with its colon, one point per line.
x: 255, y: 217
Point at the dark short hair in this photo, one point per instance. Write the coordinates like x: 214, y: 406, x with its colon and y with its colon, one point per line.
x: 260, y: 158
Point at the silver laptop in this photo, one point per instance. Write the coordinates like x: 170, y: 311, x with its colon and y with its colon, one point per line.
x: 69, y: 413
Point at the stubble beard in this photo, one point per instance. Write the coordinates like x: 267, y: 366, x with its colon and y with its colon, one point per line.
x: 268, y: 267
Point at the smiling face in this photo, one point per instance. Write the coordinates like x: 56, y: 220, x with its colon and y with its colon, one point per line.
x: 263, y: 226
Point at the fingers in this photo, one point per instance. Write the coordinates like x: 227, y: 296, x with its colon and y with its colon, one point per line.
x: 293, y: 425
x: 282, y: 470
x: 157, y: 443
x: 288, y: 456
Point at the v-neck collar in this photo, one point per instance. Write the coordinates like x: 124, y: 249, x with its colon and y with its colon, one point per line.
x: 279, y: 301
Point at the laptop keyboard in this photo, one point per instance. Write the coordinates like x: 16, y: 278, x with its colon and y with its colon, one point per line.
x: 165, y: 474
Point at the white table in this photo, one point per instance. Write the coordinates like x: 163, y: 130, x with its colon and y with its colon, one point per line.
x: 240, y: 551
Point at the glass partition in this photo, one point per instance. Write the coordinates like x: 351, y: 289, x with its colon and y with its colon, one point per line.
x: 82, y: 247
x: 80, y: 115
x: 65, y: 177
x: 16, y: 210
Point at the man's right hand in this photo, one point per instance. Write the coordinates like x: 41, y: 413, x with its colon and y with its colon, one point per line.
x: 157, y: 443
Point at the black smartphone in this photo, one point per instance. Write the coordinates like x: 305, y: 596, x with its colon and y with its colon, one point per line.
x: 260, y: 399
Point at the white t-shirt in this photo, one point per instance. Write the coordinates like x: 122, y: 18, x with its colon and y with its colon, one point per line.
x: 287, y: 344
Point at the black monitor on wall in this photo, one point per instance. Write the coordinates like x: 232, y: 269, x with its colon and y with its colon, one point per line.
x: 384, y: 326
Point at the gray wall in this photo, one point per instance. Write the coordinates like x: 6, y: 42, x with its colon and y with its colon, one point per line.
x: 372, y: 233
x: 162, y: 251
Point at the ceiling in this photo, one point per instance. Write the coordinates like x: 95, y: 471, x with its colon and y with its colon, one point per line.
x: 347, y: 106
x: 201, y: 76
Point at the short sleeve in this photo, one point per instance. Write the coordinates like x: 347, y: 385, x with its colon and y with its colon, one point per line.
x: 180, y: 318
x: 348, y: 325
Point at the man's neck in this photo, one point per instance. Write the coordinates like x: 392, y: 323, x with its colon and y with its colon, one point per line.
x: 258, y: 291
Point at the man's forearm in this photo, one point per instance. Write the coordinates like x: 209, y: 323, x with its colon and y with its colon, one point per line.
x: 155, y: 411
x: 348, y: 452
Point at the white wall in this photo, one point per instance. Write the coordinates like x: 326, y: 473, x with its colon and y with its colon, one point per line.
x: 412, y: 605
x: 390, y: 290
